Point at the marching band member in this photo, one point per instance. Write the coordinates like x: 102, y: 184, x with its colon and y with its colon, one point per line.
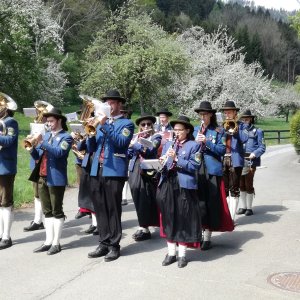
x: 177, y: 192
x: 109, y: 171
x: 233, y: 162
x: 142, y: 184
x: 52, y: 151
x: 255, y: 147
x: 215, y: 215
x: 164, y: 115
x: 8, y: 167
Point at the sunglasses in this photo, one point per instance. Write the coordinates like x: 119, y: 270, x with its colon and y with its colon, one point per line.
x: 144, y: 124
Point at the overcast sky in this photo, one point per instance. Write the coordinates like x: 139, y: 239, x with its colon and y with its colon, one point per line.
x: 285, y: 4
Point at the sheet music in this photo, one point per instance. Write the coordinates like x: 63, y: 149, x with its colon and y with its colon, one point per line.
x: 77, y: 128
x: 36, y: 128
x: 30, y: 112
x: 151, y: 164
x: 71, y: 117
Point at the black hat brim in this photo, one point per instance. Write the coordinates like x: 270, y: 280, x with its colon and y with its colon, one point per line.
x: 46, y: 115
x: 139, y: 120
x: 229, y: 108
x: 197, y: 110
x: 168, y: 113
x: 186, y: 124
x: 123, y: 100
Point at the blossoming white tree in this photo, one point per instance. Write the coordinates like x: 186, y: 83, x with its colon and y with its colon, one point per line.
x: 218, y: 73
x: 30, y: 52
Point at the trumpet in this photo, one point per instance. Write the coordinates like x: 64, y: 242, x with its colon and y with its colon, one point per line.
x: 29, y: 142
x: 230, y: 126
x: 91, y: 127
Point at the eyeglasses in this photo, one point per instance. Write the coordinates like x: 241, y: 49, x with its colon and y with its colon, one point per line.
x: 144, y: 124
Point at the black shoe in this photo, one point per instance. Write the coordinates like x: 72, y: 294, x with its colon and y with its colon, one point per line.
x: 96, y: 232
x: 33, y: 226
x: 182, y: 262
x: 42, y: 248
x: 241, y: 211
x: 91, y: 229
x: 5, y: 243
x: 206, y: 245
x: 100, y: 251
x: 143, y: 236
x: 54, y: 249
x: 249, y: 212
x: 169, y: 260
x: 81, y: 214
x: 112, y: 255
x: 138, y: 232
x: 124, y: 202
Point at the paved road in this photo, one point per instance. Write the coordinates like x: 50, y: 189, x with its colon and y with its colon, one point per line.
x: 236, y: 268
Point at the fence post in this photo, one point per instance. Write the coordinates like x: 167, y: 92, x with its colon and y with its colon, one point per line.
x: 278, y: 136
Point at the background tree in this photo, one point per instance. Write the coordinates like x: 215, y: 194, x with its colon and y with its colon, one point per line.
x: 134, y: 55
x: 30, y: 52
x: 218, y: 73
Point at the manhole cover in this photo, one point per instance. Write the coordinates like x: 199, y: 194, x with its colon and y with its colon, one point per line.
x: 289, y: 281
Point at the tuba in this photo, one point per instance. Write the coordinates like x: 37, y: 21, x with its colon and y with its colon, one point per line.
x: 38, y: 126
x: 6, y: 102
x: 231, y: 126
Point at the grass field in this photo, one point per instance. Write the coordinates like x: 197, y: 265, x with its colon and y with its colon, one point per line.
x: 23, y: 192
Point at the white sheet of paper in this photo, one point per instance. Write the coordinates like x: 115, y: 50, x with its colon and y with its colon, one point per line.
x: 30, y: 112
x: 71, y: 117
x: 151, y: 164
x: 77, y: 128
x: 36, y: 128
x: 146, y: 143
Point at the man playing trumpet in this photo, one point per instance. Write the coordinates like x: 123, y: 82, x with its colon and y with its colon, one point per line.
x: 8, y: 166
x: 51, y: 151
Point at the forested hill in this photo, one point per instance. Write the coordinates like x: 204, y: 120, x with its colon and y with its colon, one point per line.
x: 266, y: 35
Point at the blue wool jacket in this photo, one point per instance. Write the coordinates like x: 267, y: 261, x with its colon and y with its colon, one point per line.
x: 115, y: 139
x: 9, y: 147
x: 187, y: 165
x: 213, y: 150
x: 57, y: 157
x: 255, y: 144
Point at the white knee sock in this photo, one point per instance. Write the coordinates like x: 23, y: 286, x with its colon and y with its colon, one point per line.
x: 249, y: 201
x: 49, y: 230
x: 38, y: 212
x: 243, y: 200
x: 171, y: 249
x: 7, y: 216
x: 58, y: 225
x: 94, y: 220
x: 124, y: 192
x: 233, y: 205
x: 182, y: 250
x: 207, y: 235
x: 1, y: 222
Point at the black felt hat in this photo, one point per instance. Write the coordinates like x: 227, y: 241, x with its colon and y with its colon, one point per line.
x: 183, y: 120
x: 205, y: 106
x: 247, y: 113
x: 145, y: 116
x: 229, y: 105
x: 55, y: 112
x: 113, y: 95
x: 164, y: 111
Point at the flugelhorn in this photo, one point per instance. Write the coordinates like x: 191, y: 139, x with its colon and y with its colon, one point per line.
x: 38, y: 127
x: 230, y: 126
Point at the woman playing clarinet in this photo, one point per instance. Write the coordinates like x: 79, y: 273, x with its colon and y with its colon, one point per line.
x: 177, y: 192
x: 214, y: 210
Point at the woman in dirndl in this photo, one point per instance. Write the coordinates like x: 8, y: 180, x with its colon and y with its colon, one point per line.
x: 177, y: 192
x: 142, y: 183
x: 211, y: 190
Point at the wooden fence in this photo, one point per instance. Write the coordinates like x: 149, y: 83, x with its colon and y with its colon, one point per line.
x: 277, y: 135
